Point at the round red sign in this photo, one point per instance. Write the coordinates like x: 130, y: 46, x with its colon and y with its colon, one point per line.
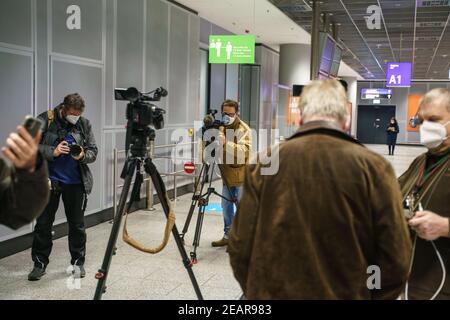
x: 189, y: 168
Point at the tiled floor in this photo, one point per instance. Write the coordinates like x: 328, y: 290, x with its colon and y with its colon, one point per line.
x: 135, y: 275
x: 403, y: 157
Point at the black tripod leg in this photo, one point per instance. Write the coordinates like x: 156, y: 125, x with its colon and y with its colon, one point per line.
x: 198, y: 232
x: 195, y: 199
x: 204, y: 201
x: 102, y: 274
x: 162, y: 195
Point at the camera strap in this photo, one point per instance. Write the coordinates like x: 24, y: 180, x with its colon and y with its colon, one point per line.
x: 168, y: 229
x: 50, y: 118
x: 425, y: 180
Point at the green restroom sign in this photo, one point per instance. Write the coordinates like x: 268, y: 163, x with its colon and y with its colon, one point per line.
x: 232, y: 49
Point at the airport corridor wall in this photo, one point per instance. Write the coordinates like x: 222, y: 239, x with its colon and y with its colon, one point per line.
x: 49, y: 48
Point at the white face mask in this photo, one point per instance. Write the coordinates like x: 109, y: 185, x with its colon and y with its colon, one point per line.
x: 72, y: 119
x: 227, y: 120
x: 433, y: 134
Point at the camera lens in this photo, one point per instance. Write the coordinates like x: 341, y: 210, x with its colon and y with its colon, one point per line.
x: 75, y: 150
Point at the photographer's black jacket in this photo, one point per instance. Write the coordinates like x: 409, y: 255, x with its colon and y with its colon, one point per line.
x: 83, y: 135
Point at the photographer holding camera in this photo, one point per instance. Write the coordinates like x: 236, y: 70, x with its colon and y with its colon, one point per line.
x: 24, y: 187
x: 236, y: 141
x: 68, y: 144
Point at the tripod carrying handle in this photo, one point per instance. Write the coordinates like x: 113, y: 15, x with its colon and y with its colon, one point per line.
x: 137, y: 245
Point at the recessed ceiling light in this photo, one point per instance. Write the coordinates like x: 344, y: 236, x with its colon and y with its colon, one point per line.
x: 444, y: 55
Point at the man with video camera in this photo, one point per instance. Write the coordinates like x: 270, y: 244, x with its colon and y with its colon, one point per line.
x: 236, y: 141
x: 68, y: 144
x: 24, y: 187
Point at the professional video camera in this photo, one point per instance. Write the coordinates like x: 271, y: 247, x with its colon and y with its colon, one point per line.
x: 140, y: 111
x: 210, y: 122
x: 141, y: 114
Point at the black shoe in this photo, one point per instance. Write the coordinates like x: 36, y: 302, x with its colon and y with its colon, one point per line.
x: 36, y: 274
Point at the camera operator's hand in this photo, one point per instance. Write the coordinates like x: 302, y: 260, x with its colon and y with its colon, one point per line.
x: 80, y: 156
x: 62, y: 148
x: 22, y: 149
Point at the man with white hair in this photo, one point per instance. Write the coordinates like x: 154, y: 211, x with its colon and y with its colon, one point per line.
x: 329, y: 224
x: 426, y: 193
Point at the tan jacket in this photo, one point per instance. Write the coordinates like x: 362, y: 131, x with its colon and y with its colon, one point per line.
x: 312, y: 230
x: 237, y: 150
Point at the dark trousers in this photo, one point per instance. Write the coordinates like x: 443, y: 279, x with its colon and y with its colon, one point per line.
x: 73, y: 199
x: 391, y: 149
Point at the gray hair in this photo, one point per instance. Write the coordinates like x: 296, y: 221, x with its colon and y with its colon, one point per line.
x: 324, y: 98
x: 438, y: 95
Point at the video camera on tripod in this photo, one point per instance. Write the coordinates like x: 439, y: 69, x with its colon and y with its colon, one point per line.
x: 203, y: 188
x: 141, y: 115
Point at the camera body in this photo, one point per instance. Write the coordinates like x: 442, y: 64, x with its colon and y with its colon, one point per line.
x: 141, y: 113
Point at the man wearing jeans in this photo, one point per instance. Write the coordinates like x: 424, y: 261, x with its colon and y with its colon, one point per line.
x: 236, y: 140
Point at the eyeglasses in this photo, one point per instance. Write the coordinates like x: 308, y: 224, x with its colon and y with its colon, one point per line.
x: 229, y: 114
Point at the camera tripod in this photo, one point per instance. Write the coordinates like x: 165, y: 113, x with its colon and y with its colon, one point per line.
x: 135, y: 162
x: 202, y: 200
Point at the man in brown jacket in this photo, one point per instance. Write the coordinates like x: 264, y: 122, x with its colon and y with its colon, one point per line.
x: 426, y: 190
x: 235, y: 139
x: 329, y: 224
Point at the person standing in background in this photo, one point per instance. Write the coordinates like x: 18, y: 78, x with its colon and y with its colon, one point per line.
x: 392, y: 132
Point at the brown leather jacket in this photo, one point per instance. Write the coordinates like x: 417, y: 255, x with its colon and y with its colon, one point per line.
x: 312, y: 230
x: 23, y: 195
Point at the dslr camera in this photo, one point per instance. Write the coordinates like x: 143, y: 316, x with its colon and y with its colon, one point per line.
x: 75, y: 150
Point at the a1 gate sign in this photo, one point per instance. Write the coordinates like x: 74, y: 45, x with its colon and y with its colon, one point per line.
x: 398, y: 74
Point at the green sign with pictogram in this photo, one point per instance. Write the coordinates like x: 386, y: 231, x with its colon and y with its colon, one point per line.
x: 232, y: 49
